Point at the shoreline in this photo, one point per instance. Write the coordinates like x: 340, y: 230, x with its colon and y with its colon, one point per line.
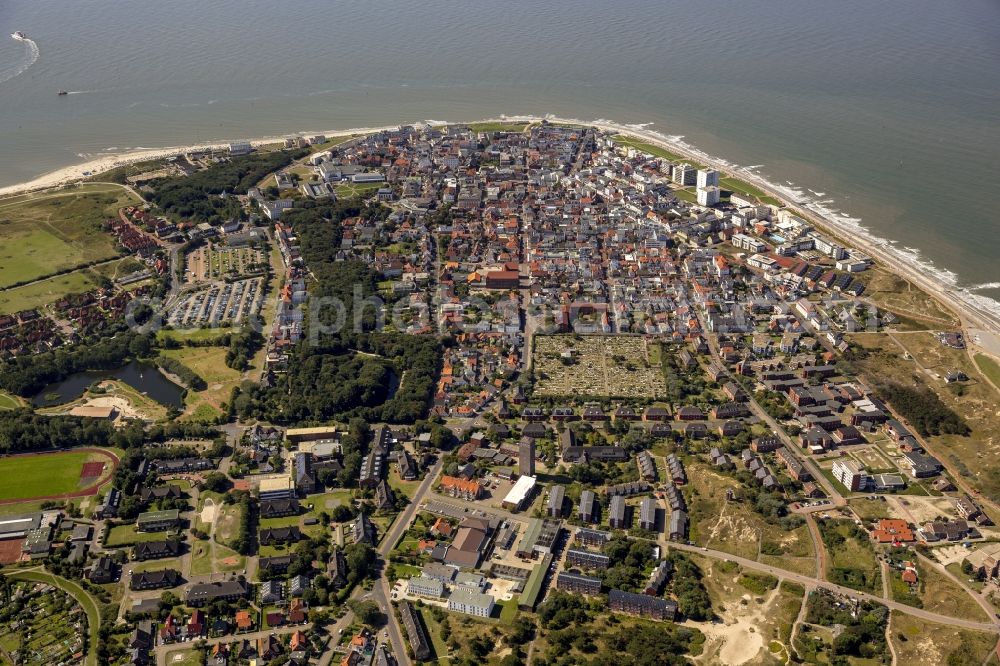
x: 978, y: 313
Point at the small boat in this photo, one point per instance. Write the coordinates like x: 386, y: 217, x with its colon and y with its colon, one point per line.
x: 19, y: 36
x: 62, y: 92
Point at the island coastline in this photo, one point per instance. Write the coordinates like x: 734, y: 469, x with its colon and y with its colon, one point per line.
x: 979, y: 314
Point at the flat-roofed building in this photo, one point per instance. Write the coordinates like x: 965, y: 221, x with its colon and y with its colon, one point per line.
x: 538, y: 538
x: 276, y: 487
x: 14, y: 527
x: 519, y: 494
x: 158, y: 521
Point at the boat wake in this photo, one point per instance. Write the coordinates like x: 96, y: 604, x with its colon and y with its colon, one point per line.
x: 31, y: 53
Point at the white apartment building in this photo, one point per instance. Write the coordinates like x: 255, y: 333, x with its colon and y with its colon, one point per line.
x: 708, y: 196
x: 707, y: 178
x: 470, y: 602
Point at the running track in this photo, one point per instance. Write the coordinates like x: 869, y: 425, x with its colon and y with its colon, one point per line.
x: 84, y: 492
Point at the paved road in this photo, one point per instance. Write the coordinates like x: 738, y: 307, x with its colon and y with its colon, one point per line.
x: 399, y: 526
x: 161, y: 651
x: 832, y: 492
x: 379, y: 592
x: 807, y: 581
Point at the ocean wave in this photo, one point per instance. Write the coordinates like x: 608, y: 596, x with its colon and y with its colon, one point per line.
x: 31, y: 53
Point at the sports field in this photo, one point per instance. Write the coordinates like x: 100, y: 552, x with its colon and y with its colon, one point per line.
x: 45, y: 233
x: 51, y: 474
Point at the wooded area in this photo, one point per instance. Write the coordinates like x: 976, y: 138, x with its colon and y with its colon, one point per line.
x: 196, y: 197
x: 346, y: 373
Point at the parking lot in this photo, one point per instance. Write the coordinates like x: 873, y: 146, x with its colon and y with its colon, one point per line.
x: 229, y: 303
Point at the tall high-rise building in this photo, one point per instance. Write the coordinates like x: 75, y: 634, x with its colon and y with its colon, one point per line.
x: 708, y: 178
x: 684, y: 174
x: 708, y: 196
x: 526, y: 457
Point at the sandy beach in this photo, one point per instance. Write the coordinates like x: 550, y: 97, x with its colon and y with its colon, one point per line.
x: 980, y: 315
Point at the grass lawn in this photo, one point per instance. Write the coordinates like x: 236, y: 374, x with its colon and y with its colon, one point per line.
x: 26, y: 477
x: 201, y: 556
x: 685, y: 195
x: 327, y: 501
x: 120, y: 268
x: 508, y: 611
x: 870, y: 509
x: 348, y: 190
x: 88, y: 603
x: 185, y: 658
x: 434, y: 632
x: 399, y: 485
x: 227, y: 522
x: 39, y: 294
x: 498, y: 127
x: 656, y: 151
x: 740, y: 186
x: 989, y: 367
x: 155, y: 565
x: 46, y: 233
x: 225, y: 560
x: 209, y: 363
x: 121, y: 535
x: 8, y: 401
x: 405, y: 571
x: 194, y: 334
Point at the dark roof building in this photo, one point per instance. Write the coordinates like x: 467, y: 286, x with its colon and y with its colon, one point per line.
x: 201, y: 594
x: 571, y: 582
x: 586, y: 559
x: 642, y: 605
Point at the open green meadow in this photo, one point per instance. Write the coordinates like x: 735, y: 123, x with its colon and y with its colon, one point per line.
x: 8, y: 401
x: 46, y: 233
x: 41, y: 293
x: 989, y: 367
x: 209, y: 363
x: 655, y: 151
x: 26, y: 477
x: 498, y: 127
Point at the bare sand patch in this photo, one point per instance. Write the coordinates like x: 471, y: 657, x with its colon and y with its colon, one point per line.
x: 737, y: 639
x: 208, y: 512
